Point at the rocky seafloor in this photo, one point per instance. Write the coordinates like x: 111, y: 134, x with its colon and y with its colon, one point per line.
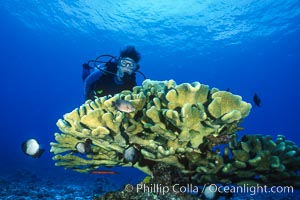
x: 23, y: 184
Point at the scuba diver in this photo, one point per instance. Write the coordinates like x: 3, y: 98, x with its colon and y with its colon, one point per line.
x: 112, y: 76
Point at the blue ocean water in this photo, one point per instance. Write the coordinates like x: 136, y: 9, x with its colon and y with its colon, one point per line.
x: 248, y: 46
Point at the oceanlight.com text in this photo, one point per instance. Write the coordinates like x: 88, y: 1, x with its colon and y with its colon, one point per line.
x: 252, y: 190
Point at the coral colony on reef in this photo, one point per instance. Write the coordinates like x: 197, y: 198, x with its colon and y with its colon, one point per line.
x: 181, y: 128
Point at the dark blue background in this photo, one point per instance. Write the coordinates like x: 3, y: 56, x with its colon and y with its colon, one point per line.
x: 247, y: 47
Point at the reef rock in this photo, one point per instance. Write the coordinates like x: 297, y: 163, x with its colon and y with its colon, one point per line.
x: 178, y: 125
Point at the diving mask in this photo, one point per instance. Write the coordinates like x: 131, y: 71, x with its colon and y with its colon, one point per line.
x: 127, y: 63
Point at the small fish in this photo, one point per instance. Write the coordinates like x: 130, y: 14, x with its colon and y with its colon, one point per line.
x: 132, y: 155
x: 32, y: 148
x: 103, y: 172
x: 123, y: 106
x: 84, y: 147
x: 256, y: 99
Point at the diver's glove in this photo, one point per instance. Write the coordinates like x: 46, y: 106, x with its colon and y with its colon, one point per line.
x: 86, y: 66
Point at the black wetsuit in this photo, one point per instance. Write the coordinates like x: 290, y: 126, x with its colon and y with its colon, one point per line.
x: 108, y: 84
